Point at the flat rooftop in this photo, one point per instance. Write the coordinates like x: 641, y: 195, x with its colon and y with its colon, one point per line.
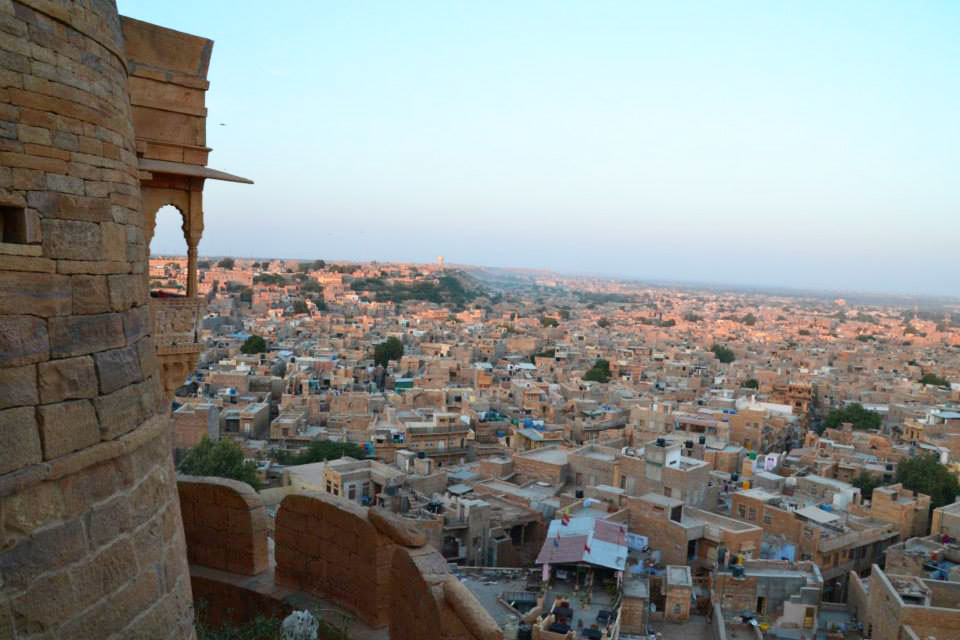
x: 535, y: 491
x: 549, y: 455
x: 679, y: 576
x: 661, y: 500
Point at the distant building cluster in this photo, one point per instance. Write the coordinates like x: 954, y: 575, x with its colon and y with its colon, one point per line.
x: 623, y: 459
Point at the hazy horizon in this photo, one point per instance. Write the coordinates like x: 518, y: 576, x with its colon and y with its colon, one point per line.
x: 809, y: 146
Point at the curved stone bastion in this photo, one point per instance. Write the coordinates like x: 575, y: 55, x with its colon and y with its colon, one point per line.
x: 91, y: 543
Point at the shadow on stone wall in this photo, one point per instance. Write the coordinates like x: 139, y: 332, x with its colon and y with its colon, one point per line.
x: 369, y: 561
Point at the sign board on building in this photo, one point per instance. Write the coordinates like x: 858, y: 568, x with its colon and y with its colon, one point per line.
x: 637, y: 542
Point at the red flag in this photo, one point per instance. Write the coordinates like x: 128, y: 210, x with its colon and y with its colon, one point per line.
x: 565, y: 519
x: 586, y: 547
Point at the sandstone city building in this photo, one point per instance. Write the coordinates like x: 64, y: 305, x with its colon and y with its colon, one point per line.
x: 428, y: 450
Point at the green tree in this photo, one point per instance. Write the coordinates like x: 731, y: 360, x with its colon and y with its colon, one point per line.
x: 320, y: 450
x: 804, y: 332
x: 926, y: 475
x: 690, y: 316
x: 547, y: 321
x: 223, y: 459
x: 751, y: 384
x: 299, y: 306
x: 603, y: 323
x: 390, y: 349
x: 274, y: 279
x: 311, y: 286
x: 227, y: 263
x: 599, y: 372
x: 316, y: 265
x: 866, y: 482
x: 856, y: 415
x: 564, y: 314
x: 546, y: 353
x: 749, y: 319
x: 723, y: 354
x: 935, y: 380
x: 203, y: 264
x: 254, y: 344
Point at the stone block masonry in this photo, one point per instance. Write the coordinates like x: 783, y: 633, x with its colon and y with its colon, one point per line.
x: 91, y: 536
x: 225, y: 524
x: 377, y: 565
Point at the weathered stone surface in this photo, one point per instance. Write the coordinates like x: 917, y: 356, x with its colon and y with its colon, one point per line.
x: 149, y: 363
x: 109, y: 521
x: 123, y: 410
x: 92, y: 267
x: 27, y: 262
x: 35, y: 506
x: 149, y: 496
x: 6, y: 623
x: 45, y: 550
x: 19, y: 439
x: 67, y: 379
x: 65, y: 184
x: 79, y: 335
x: 45, y: 602
x: 106, y: 571
x: 117, y: 368
x: 71, y: 239
x: 114, y: 238
x: 90, y: 294
x: 111, y: 615
x: 23, y: 340
x: 136, y: 323
x: 70, y: 207
x: 67, y: 426
x: 471, y: 613
x: 126, y: 291
x: 18, y: 386
x: 396, y: 528
x: 39, y: 294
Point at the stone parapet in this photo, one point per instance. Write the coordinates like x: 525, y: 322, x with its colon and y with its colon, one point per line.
x: 376, y: 565
x: 225, y: 524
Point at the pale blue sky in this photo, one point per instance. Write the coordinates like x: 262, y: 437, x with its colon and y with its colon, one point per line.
x: 799, y: 144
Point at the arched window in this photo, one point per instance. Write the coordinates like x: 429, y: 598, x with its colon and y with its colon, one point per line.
x: 168, y: 253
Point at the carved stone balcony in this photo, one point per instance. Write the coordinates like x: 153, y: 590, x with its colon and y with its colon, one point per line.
x: 176, y: 332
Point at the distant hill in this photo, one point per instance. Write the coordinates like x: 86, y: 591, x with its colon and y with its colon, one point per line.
x: 451, y: 287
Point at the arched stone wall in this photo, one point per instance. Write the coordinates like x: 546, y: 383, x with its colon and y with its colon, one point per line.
x: 91, y: 540
x: 330, y: 549
x: 225, y: 524
x: 377, y: 565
